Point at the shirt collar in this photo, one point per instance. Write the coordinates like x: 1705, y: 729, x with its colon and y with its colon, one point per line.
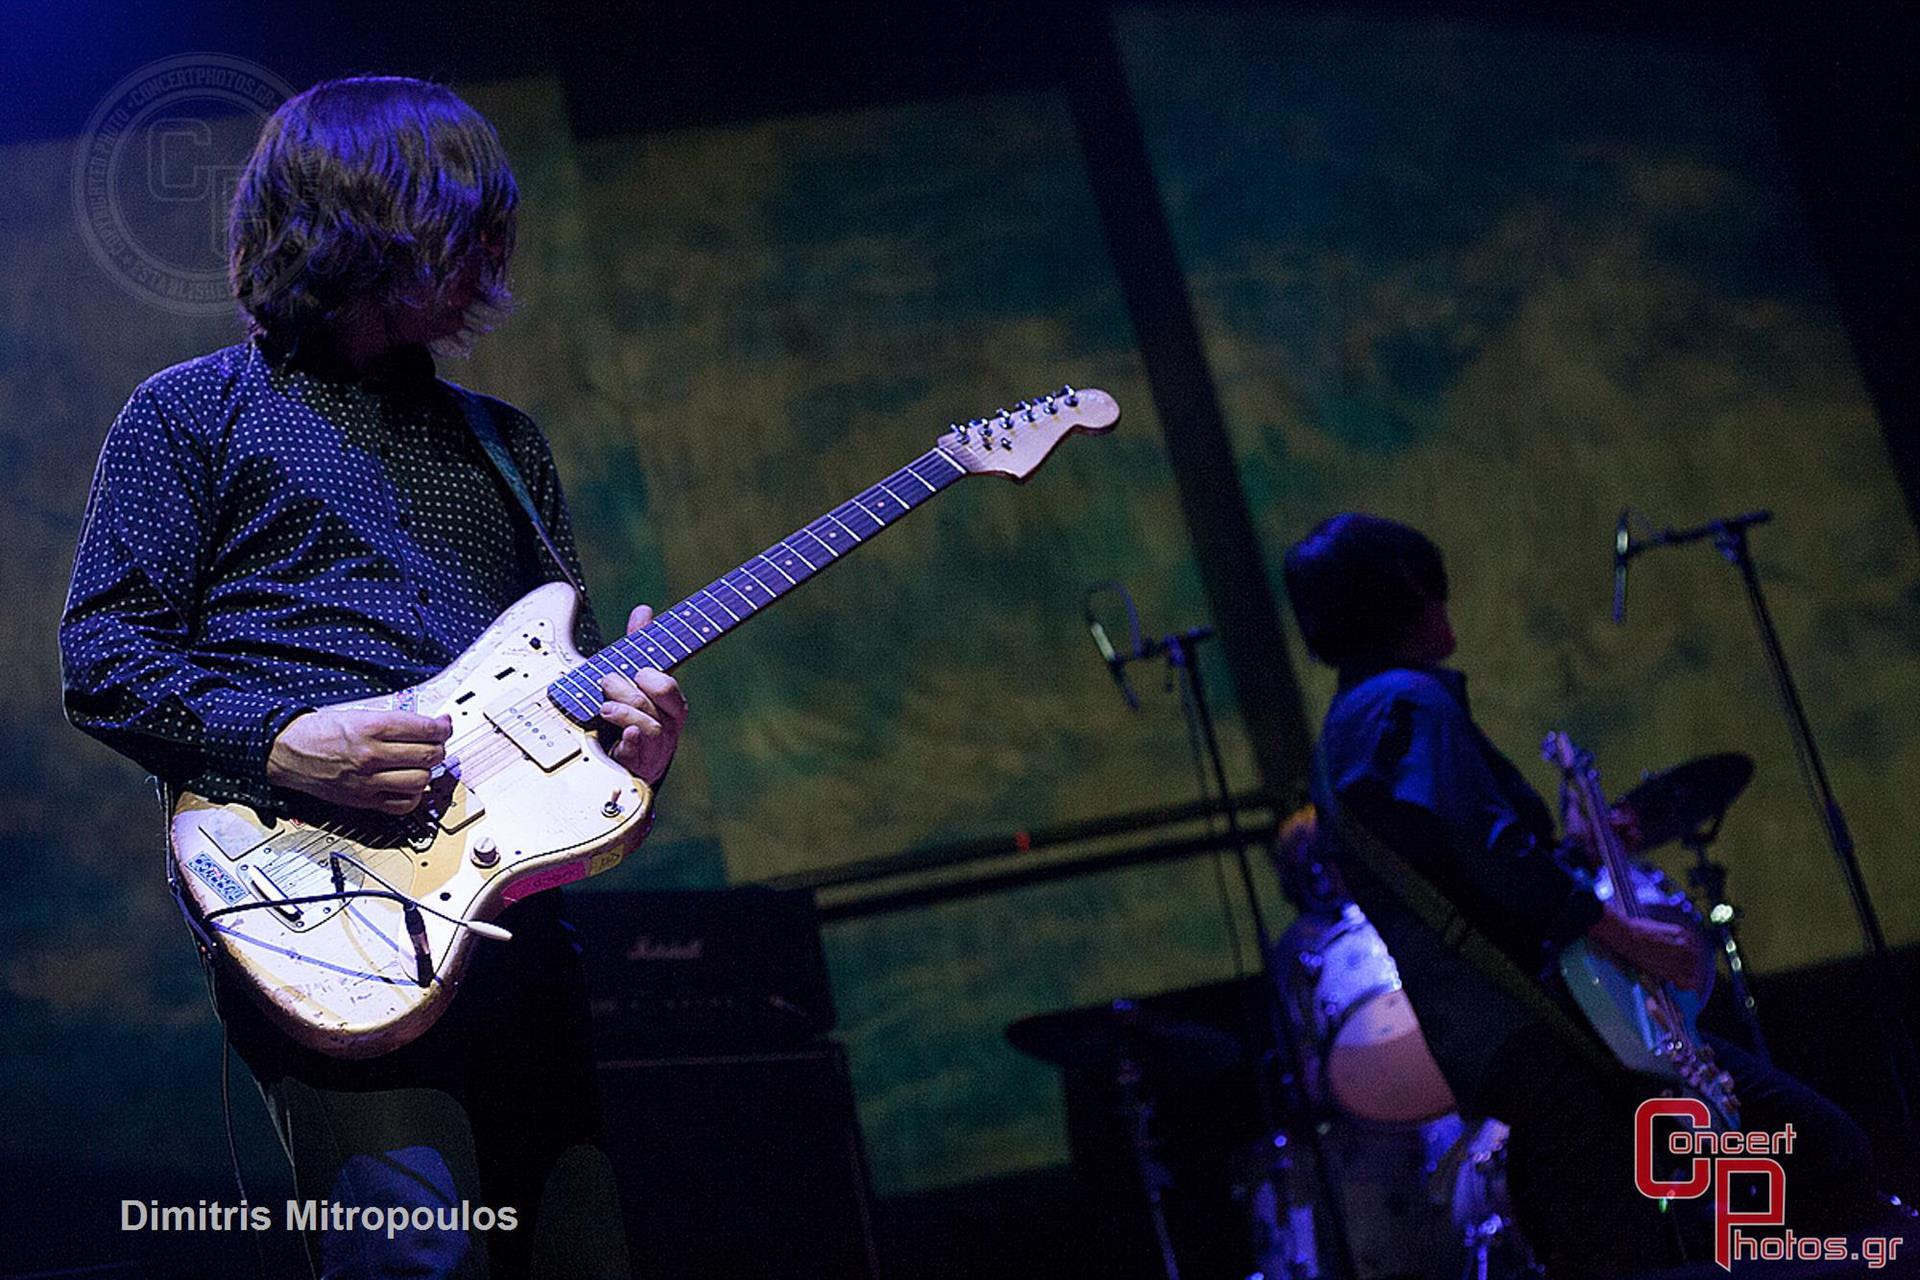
x: 1456, y: 681
x: 405, y: 368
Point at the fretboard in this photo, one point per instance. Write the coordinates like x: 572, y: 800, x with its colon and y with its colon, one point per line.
x: 729, y: 600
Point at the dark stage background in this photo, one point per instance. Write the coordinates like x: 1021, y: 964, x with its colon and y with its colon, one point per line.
x: 1496, y: 271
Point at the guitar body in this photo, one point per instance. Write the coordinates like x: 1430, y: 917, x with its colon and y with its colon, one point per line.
x: 1621, y: 1009
x: 528, y: 800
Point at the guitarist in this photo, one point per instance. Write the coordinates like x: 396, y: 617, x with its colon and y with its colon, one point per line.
x: 1400, y: 750
x: 306, y: 518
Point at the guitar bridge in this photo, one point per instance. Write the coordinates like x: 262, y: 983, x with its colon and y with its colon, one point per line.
x: 450, y: 803
x: 298, y: 865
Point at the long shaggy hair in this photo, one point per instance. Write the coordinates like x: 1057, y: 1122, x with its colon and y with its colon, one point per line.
x: 376, y: 187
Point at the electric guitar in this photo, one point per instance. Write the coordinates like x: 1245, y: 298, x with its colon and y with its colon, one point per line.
x: 1651, y: 1026
x: 352, y: 928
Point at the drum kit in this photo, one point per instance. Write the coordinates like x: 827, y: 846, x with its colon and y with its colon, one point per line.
x: 1422, y: 1190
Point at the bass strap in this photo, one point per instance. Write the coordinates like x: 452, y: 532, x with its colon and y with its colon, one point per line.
x: 479, y: 413
x: 1458, y: 934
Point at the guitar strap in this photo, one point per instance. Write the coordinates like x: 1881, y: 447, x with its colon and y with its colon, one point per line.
x: 479, y: 413
x: 1435, y: 910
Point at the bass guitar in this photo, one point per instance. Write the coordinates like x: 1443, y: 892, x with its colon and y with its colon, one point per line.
x: 352, y: 928
x: 1651, y: 1026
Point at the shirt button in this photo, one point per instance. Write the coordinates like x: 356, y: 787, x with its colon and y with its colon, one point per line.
x: 423, y: 595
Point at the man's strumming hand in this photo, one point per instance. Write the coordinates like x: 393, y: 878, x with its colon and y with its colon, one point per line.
x: 358, y: 758
x: 1660, y: 949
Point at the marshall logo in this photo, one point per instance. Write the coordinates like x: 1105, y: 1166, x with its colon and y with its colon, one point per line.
x: 646, y: 947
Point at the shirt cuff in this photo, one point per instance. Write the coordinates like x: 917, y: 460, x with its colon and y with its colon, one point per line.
x: 239, y: 729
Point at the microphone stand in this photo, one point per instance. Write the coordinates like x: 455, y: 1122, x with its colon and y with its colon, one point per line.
x: 1281, y: 1045
x: 1729, y: 537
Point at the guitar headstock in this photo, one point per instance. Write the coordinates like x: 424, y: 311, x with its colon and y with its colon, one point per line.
x: 1564, y: 754
x: 1014, y: 442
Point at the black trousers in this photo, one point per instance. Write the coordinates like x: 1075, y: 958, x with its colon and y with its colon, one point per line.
x: 1570, y: 1159
x: 496, y: 1106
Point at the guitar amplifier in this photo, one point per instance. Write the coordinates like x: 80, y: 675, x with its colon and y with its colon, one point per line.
x: 698, y: 970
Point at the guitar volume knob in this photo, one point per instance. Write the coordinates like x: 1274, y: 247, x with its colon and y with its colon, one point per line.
x: 484, y: 851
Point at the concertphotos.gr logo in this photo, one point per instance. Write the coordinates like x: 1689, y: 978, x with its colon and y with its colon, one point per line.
x: 1713, y: 1160
x: 154, y: 173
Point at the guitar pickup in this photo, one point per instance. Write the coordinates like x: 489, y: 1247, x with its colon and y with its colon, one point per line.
x: 538, y: 730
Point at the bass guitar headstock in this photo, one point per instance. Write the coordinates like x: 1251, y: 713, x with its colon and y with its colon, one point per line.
x: 1566, y: 755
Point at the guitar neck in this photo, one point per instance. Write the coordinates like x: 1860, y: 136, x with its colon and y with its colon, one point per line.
x: 1612, y: 853
x: 729, y: 600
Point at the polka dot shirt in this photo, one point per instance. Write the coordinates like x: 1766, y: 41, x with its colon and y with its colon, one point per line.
x: 266, y: 536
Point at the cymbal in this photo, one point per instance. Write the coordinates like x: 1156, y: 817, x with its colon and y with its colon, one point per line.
x: 1102, y: 1038
x: 1677, y: 802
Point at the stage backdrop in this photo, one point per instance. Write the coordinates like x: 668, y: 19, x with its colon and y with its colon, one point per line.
x: 1502, y: 284
x: 1496, y: 283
